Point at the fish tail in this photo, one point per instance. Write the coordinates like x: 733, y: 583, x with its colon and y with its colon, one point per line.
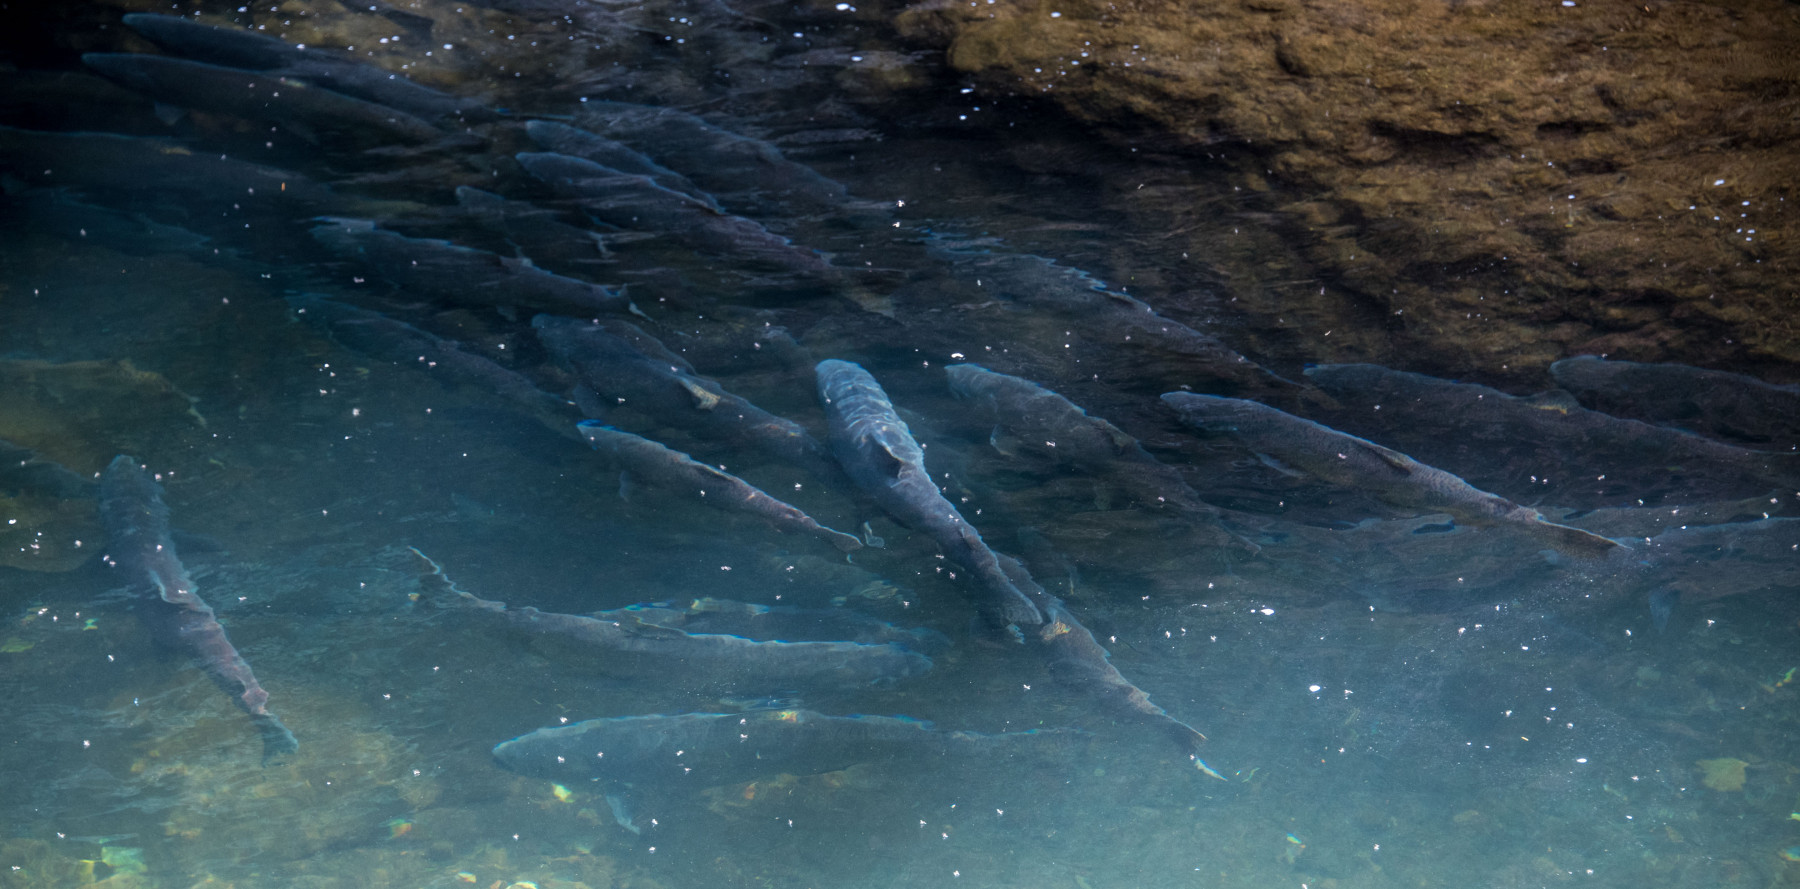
x: 278, y: 742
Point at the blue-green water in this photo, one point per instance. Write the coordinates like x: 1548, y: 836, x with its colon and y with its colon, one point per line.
x: 1389, y: 702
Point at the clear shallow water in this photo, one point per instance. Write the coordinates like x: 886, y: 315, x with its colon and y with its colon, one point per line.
x: 1385, y: 707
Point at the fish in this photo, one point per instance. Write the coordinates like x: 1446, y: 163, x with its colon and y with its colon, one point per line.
x: 722, y: 662
x: 152, y: 173
x: 1077, y: 660
x: 1475, y: 429
x: 710, y: 615
x: 646, y: 460
x: 1036, y: 286
x: 627, y: 367
x: 576, y: 142
x: 312, y: 113
x: 1055, y: 428
x: 462, y: 275
x: 640, y: 203
x: 139, y: 546
x: 533, y: 231
x: 699, y: 750
x: 877, y: 449
x: 386, y: 339
x: 1705, y: 562
x: 1649, y: 521
x: 1393, y: 477
x: 242, y: 48
x: 23, y: 470
x: 751, y: 173
x: 1734, y: 407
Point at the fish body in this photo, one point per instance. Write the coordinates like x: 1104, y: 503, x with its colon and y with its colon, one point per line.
x: 397, y: 342
x: 1120, y: 322
x: 22, y: 470
x: 673, y: 471
x: 1057, y: 429
x: 614, y: 155
x: 1731, y: 406
x: 462, y: 275
x: 627, y: 367
x: 137, y: 525
x: 313, y: 113
x: 152, y: 173
x: 640, y: 203
x: 532, y: 230
x: 1077, y: 660
x: 710, y: 615
x: 246, y: 49
x: 699, y: 750
x: 878, y: 451
x: 1493, y: 434
x: 719, y: 661
x: 1348, y: 461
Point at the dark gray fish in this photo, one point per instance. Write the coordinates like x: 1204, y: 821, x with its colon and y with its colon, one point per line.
x: 462, y: 275
x: 1706, y: 562
x: 22, y: 470
x: 699, y: 750
x: 313, y: 113
x: 1649, y: 521
x: 1077, y: 660
x: 627, y: 367
x: 575, y: 142
x: 1735, y: 407
x: 1046, y: 424
x: 878, y: 451
x: 533, y: 231
x: 137, y: 523
x: 241, y: 48
x: 720, y: 161
x: 713, y: 660
x: 397, y: 342
x: 1488, y: 431
x: 1113, y: 320
x: 640, y: 203
x: 644, y: 460
x: 1352, y: 462
x: 160, y: 171
x: 710, y: 615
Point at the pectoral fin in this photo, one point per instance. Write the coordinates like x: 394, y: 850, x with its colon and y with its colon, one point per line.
x: 1400, y: 462
x: 704, y: 399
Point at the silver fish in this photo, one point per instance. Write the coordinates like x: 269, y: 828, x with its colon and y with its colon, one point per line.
x: 1353, y: 462
x: 627, y: 367
x: 1055, y: 428
x: 671, y: 470
x: 313, y: 113
x: 878, y: 451
x: 699, y: 750
x: 623, y: 646
x: 462, y: 275
x: 1732, y: 406
x: 137, y: 523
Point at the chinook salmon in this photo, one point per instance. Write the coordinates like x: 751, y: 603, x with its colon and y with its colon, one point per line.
x: 623, y: 646
x: 1352, y: 462
x: 1055, y: 428
x: 461, y: 275
x: 627, y: 367
x: 878, y: 451
x: 644, y: 460
x: 137, y: 523
x: 636, y: 757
